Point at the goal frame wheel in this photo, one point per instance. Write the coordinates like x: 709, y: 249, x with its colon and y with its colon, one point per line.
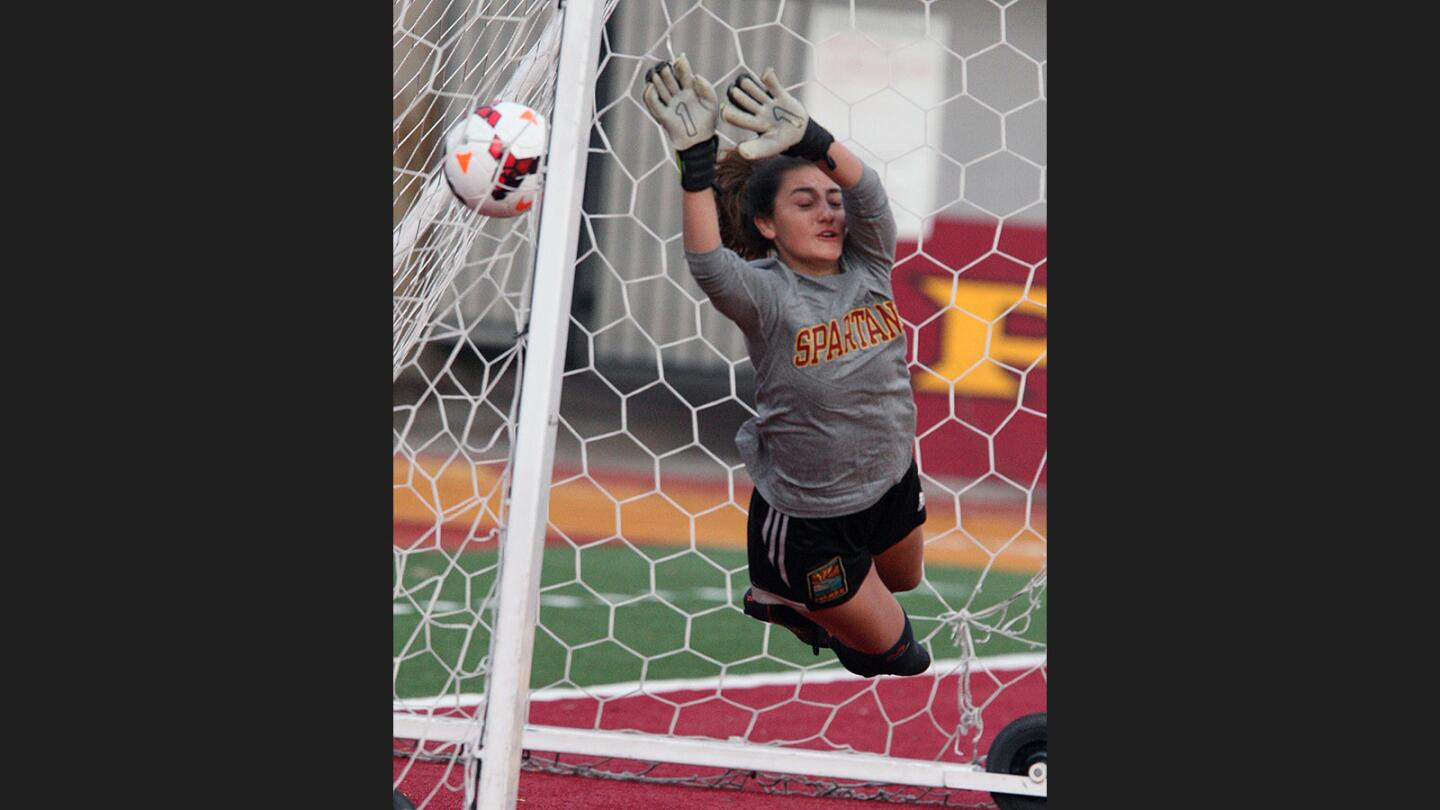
x: 1020, y: 749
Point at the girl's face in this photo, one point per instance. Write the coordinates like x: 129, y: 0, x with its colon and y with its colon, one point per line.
x: 808, y: 228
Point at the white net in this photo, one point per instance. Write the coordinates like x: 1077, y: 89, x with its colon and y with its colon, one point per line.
x: 640, y: 627
x: 460, y: 297
x: 449, y: 56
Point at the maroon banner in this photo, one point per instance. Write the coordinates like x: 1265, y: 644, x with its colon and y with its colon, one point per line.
x: 975, y: 311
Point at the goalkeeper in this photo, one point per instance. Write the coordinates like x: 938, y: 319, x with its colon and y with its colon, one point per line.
x: 791, y: 237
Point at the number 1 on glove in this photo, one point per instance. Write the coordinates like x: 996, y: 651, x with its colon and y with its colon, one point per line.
x: 778, y: 118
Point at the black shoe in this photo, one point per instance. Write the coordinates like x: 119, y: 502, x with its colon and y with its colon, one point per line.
x: 787, y: 617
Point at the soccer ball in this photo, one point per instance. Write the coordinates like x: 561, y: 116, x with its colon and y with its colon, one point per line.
x: 492, y: 159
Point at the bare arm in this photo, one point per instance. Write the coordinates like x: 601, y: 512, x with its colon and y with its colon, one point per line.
x: 700, y: 221
x: 848, y: 167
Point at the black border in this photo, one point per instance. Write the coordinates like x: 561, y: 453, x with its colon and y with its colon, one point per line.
x: 254, y: 399
x: 1199, y: 230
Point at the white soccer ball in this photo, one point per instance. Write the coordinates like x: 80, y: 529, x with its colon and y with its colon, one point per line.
x: 492, y: 158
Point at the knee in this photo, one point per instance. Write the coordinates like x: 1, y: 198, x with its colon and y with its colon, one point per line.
x: 905, y: 657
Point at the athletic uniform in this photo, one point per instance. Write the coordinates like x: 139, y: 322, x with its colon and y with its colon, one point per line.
x: 830, y: 450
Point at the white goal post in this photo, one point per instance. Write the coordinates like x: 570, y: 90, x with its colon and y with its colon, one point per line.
x: 569, y: 505
x: 518, y: 606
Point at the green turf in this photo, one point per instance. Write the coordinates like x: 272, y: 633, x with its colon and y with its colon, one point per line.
x: 612, y: 613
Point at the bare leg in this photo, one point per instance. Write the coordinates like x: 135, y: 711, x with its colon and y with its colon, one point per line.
x: 903, y: 564
x: 870, y: 621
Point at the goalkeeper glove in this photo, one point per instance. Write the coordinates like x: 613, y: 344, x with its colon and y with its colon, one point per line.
x: 783, y: 126
x: 686, y: 107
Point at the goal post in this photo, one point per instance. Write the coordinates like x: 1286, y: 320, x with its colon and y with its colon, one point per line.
x: 518, y: 604
x: 569, y: 504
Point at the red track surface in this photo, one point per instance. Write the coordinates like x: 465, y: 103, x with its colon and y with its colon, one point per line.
x: 859, y: 721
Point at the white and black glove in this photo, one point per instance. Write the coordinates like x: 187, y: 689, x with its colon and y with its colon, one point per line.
x: 686, y: 107
x: 783, y: 126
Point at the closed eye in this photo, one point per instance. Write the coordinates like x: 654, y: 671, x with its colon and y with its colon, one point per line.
x: 806, y: 197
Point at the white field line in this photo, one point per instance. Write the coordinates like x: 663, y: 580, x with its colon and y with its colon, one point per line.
x: 1016, y: 662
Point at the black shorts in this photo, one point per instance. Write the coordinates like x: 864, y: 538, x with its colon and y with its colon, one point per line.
x: 820, y: 562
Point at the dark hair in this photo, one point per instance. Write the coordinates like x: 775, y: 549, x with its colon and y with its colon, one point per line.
x: 748, y: 190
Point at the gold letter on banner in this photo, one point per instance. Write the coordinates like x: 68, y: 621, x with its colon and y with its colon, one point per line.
x: 963, y: 328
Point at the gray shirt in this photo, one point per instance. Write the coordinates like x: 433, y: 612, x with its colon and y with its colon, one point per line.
x: 835, y: 423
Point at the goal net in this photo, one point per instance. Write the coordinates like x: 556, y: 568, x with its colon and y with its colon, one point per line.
x: 643, y: 665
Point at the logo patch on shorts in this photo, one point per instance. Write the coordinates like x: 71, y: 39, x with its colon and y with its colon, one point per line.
x: 827, y: 583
